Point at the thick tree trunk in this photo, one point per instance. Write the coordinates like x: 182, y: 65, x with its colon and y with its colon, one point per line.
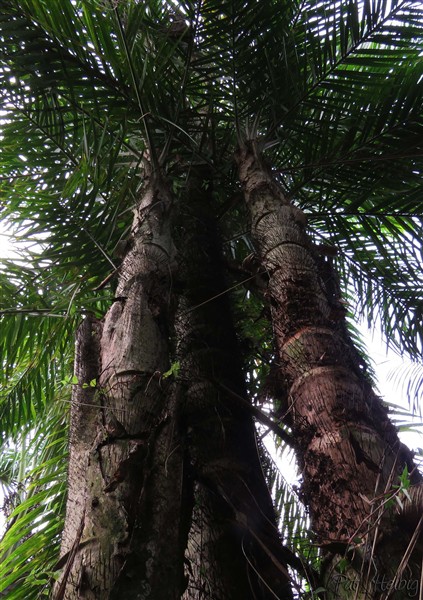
x: 348, y: 450
x: 234, y: 550
x: 127, y: 519
x: 130, y: 501
x: 147, y: 432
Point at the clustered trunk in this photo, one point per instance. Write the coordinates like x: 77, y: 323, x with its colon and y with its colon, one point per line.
x: 348, y: 450
x: 166, y: 458
x: 167, y: 498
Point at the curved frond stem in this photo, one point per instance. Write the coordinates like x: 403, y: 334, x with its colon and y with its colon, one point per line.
x: 183, y: 95
x: 152, y: 159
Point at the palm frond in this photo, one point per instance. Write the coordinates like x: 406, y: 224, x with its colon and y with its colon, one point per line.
x: 407, y: 378
x: 36, y: 512
x: 292, y: 517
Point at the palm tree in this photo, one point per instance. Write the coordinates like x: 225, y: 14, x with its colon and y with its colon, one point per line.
x: 165, y: 157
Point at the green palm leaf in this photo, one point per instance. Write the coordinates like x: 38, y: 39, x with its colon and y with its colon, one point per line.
x: 30, y: 546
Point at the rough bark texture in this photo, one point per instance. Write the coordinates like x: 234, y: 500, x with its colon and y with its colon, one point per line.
x: 143, y: 438
x: 127, y: 518
x: 234, y: 550
x: 85, y: 407
x: 348, y: 449
x: 165, y: 459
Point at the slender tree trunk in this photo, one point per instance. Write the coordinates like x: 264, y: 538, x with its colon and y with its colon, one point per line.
x: 127, y: 519
x: 348, y: 449
x: 234, y: 549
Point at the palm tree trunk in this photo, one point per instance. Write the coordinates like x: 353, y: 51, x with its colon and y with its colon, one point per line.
x: 234, y: 549
x: 349, y: 453
x: 127, y: 519
x: 130, y: 504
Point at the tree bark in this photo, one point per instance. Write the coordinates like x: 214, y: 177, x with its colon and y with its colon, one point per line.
x: 234, y: 549
x: 149, y: 431
x: 349, y: 452
x: 127, y: 516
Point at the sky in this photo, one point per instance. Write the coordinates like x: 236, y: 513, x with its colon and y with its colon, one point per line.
x: 389, y: 366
